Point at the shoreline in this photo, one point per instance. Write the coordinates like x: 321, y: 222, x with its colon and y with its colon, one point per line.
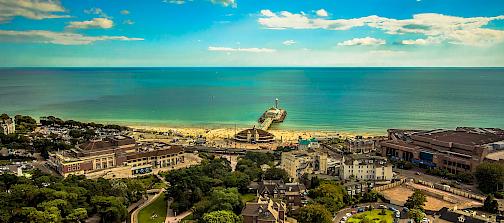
x: 222, y: 133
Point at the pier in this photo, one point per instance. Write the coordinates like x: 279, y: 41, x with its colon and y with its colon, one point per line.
x: 266, y: 124
x: 272, y: 115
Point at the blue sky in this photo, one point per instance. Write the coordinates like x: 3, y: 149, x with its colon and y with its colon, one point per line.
x: 251, y: 33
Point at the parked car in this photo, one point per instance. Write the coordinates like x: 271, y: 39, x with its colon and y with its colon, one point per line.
x: 425, y: 220
x: 354, y: 212
x: 405, y: 209
x: 397, y: 214
x: 348, y: 214
x: 359, y: 210
x: 382, y: 206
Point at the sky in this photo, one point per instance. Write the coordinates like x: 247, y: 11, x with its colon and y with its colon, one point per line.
x: 117, y: 33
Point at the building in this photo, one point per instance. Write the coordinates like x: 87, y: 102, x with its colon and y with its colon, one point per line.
x: 254, y: 135
x: 114, y: 154
x: 358, y: 187
x: 459, y: 216
x: 308, y: 144
x: 366, y: 168
x: 298, y: 162
x: 359, y: 146
x: 7, y: 126
x: 291, y: 193
x: 459, y: 150
x: 145, y: 162
x: 264, y: 210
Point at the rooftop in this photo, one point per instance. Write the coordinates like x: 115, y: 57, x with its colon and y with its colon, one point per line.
x: 464, y: 136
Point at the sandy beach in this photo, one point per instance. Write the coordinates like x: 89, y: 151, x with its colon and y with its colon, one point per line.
x: 284, y: 136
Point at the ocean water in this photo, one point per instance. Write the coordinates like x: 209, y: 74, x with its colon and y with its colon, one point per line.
x: 343, y: 99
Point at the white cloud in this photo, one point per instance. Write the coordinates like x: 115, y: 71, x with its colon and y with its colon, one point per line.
x: 451, y: 29
x: 288, y: 42
x: 125, y: 12
x: 250, y: 50
x: 268, y: 13
x: 426, y: 41
x: 178, y: 2
x: 322, y: 13
x: 96, y: 11
x: 366, y: 41
x: 31, y: 9
x: 103, y: 23
x: 129, y: 22
x: 62, y: 38
x: 224, y: 3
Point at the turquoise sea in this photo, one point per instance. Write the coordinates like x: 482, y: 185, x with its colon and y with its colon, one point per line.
x: 344, y: 99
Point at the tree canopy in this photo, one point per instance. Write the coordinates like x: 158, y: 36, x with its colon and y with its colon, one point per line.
x: 45, y: 198
x: 416, y: 200
x: 490, y: 177
x: 314, y: 213
x: 221, y: 217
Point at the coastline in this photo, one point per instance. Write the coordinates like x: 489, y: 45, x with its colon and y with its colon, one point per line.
x: 222, y: 133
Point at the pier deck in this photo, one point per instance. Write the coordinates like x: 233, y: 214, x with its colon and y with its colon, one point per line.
x: 266, y: 124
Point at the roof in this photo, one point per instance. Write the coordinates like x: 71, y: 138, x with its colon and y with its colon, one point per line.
x: 452, y: 216
x: 161, y: 152
x: 253, y: 131
x: 365, y: 157
x: 108, y: 143
x: 465, y: 136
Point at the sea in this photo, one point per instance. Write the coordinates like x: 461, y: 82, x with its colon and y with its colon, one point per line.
x: 357, y: 100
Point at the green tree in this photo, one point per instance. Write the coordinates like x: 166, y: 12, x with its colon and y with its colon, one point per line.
x: 491, y: 205
x: 490, y: 177
x: 221, y: 217
x: 330, y: 195
x: 4, y: 116
x: 416, y: 200
x: 110, y: 208
x: 237, y: 179
x: 416, y: 214
x: 276, y: 174
x: 314, y: 213
x: 77, y: 215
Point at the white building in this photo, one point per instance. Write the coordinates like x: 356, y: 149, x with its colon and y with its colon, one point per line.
x: 298, y: 162
x: 366, y: 167
x: 7, y: 126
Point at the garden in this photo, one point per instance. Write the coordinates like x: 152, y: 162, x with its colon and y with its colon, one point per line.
x: 373, y: 216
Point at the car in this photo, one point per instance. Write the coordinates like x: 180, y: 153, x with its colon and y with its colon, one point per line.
x: 392, y: 209
x: 344, y: 218
x: 405, y: 209
x: 354, y: 212
x: 359, y: 210
x: 425, y: 220
x: 348, y: 214
x: 382, y: 206
x: 418, y: 173
x: 397, y: 214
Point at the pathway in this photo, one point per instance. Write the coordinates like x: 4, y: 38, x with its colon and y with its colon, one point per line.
x: 176, y: 219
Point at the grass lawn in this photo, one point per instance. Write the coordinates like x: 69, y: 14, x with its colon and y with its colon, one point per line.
x: 373, y: 215
x: 247, y: 197
x: 157, y: 207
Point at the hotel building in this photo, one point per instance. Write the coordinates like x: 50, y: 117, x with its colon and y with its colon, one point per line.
x: 366, y: 168
x: 459, y: 150
x: 114, y: 154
